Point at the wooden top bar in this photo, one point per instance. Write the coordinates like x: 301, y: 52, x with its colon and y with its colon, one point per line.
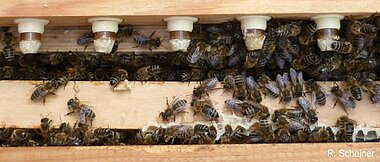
x: 146, y: 12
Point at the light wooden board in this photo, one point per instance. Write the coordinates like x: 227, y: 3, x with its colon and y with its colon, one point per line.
x: 64, y: 39
x: 254, y: 152
x: 143, y: 12
x: 140, y: 106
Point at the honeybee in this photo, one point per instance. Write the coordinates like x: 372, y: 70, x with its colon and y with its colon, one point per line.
x: 117, y: 77
x: 84, y: 111
x: 297, y: 81
x: 8, y: 51
x: 147, y: 72
x: 45, y: 128
x: 371, y: 136
x: 205, y: 86
x: 151, y: 42
x: 306, y: 61
x: 312, y: 116
x: 332, y: 63
x: 206, y: 108
x: 342, y: 47
x: 343, y: 97
x: 5, y: 134
x: 253, y: 89
x: 19, y: 137
x: 42, y: 90
x: 287, y: 30
x: 307, y: 33
x: 176, y: 106
x: 317, y: 92
x: 107, y: 136
x: 240, y: 91
x: 251, y: 59
x: 194, y: 74
x: 283, y: 136
x: 320, y: 134
x: 229, y: 82
x: 354, y: 87
x: 198, y: 52
x: 345, y: 133
x: 283, y: 82
x: 359, y: 28
x: 269, y: 86
x: 85, y: 40
x: 303, y: 103
x: 359, y: 136
x: 249, y: 109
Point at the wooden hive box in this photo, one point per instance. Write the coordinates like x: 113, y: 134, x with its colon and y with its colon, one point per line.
x: 134, y: 109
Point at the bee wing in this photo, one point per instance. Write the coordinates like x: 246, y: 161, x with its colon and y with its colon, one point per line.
x: 250, y: 82
x: 232, y: 49
x: 293, y: 75
x: 280, y: 81
x: 229, y: 79
x: 272, y: 87
x: 285, y: 76
x: 300, y: 77
x: 176, y: 98
x: 347, y: 101
x: 303, y: 103
x: 195, y: 56
x: 211, y: 83
x: 313, y: 100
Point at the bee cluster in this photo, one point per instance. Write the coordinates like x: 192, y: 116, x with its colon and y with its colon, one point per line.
x: 217, y: 53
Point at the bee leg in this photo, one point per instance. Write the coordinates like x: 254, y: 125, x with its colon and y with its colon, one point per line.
x: 174, y: 118
x: 71, y: 113
x: 336, y: 102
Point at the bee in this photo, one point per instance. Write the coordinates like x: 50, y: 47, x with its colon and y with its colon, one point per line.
x: 297, y: 80
x: 249, y: 109
x: 303, y: 135
x: 117, y: 77
x: 283, y: 82
x: 126, y: 30
x: 19, y: 137
x: 344, y: 98
x: 8, y: 51
x: 45, y: 124
x: 42, y: 90
x: 75, y: 59
x: 343, y: 120
x: 263, y: 111
x: 205, y: 86
x: 317, y: 92
x: 221, y: 38
x: 147, y: 72
x: 320, y: 134
x: 235, y: 59
x: 107, y: 136
x: 332, y: 63
x: 354, y: 87
x: 59, y: 139
x: 61, y: 80
x: 359, y: 28
x: 85, y: 40
x: 150, y: 42
x: 252, y: 59
x: 269, y: 85
x: 371, y: 136
x: 253, y: 89
x: 287, y: 30
x: 84, y: 111
x: 240, y: 91
x: 312, y: 116
x: 206, y: 108
x: 342, y: 47
x: 306, y: 61
x: 201, y: 128
x: 197, y: 53
x: 5, y: 134
x: 345, y: 133
x: 229, y: 82
x: 307, y: 33
x: 294, y: 113
x: 176, y: 106
x: 283, y: 136
x: 359, y: 136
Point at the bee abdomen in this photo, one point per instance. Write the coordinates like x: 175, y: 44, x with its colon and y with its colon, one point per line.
x: 140, y: 40
x: 321, y: 97
x: 210, y: 112
x: 201, y: 128
x: 8, y: 52
x: 356, y: 92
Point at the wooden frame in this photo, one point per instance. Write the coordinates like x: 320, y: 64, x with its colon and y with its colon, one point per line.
x: 246, y: 152
x: 146, y: 12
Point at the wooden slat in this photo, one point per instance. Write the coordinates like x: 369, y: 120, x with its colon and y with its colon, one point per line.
x: 254, y: 152
x: 143, y: 12
x: 132, y: 110
x: 64, y: 39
